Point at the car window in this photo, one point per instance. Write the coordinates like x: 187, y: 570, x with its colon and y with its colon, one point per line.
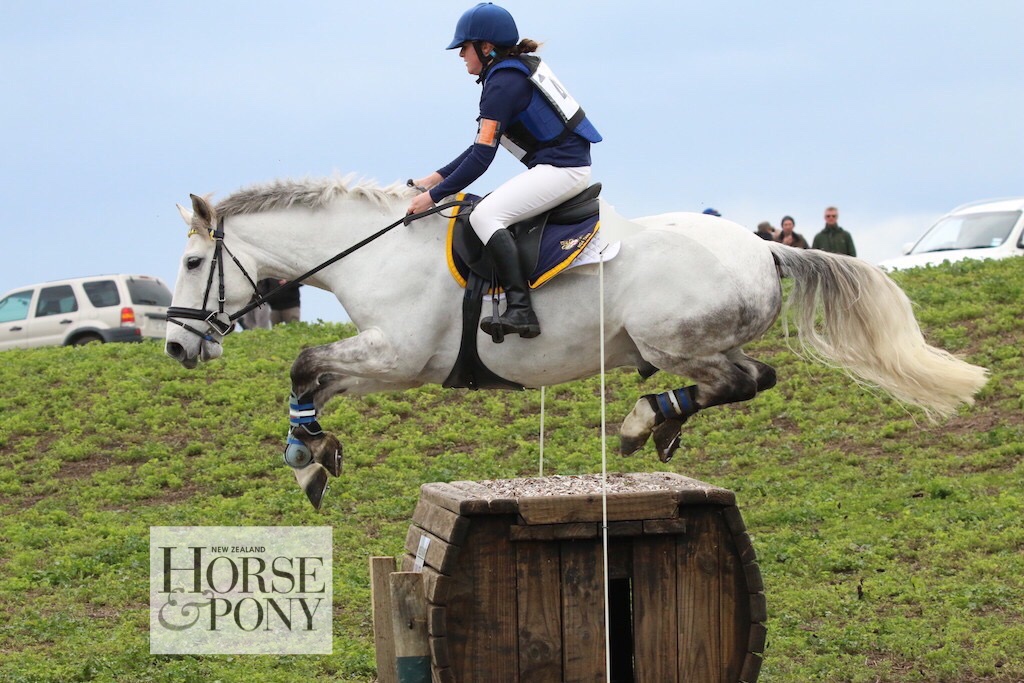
x: 149, y: 293
x: 15, y: 306
x: 56, y: 300
x: 970, y: 231
x: 102, y: 293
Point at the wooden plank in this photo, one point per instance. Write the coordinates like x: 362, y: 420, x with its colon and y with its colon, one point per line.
x: 439, y: 653
x: 582, y: 611
x: 439, y: 555
x: 734, y: 520
x: 576, y: 530
x: 588, y: 508
x: 383, y: 637
x: 744, y: 548
x: 751, y: 668
x: 435, y: 584
x: 482, y: 603
x: 633, y: 527
x: 758, y: 638
x: 437, y: 624
x: 443, y: 523
x: 442, y: 675
x: 755, y: 584
x: 539, y: 596
x: 664, y: 526
x: 698, y: 593
x: 758, y: 608
x: 655, y: 624
x: 495, y: 505
x: 450, y: 498
x: 620, y: 558
x: 734, y: 602
x: 409, y: 625
x: 553, y: 532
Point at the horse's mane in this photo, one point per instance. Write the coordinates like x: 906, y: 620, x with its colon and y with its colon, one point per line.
x: 312, y: 194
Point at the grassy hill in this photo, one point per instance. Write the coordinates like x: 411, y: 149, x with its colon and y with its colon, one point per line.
x: 892, y: 549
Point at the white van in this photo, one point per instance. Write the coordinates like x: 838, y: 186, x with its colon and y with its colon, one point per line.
x: 990, y: 229
x: 104, y: 308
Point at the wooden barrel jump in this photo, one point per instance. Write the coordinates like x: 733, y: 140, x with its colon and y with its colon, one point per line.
x: 512, y: 575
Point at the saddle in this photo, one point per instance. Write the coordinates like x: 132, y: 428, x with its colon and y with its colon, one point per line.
x: 547, y: 244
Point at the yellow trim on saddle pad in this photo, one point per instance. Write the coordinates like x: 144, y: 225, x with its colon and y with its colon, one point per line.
x: 566, y: 262
x: 450, y: 248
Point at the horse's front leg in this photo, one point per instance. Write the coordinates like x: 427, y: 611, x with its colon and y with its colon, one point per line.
x: 355, y: 365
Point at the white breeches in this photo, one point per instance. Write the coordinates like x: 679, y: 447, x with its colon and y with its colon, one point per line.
x: 531, y: 192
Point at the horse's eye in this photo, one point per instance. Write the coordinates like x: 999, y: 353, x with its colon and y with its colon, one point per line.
x: 193, y: 262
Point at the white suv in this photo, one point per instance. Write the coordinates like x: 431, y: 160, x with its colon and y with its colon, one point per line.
x: 991, y: 229
x: 104, y: 308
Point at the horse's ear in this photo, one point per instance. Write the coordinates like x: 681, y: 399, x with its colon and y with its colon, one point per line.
x: 186, y: 215
x: 201, y: 208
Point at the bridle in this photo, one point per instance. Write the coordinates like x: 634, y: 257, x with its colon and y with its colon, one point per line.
x: 219, y: 323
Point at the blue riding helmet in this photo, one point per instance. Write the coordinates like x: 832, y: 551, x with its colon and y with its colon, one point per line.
x: 711, y: 212
x: 486, y: 22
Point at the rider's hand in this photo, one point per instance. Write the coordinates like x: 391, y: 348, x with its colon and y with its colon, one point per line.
x: 430, y: 182
x: 420, y: 203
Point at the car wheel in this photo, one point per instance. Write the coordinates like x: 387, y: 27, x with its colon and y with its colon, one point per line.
x: 87, y: 339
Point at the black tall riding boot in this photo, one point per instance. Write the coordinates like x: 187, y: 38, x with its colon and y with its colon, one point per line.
x: 518, y: 317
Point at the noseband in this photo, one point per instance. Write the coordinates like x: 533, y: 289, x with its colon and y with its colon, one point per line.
x: 218, y: 323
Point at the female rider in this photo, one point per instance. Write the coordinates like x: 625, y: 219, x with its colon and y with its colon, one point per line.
x: 527, y: 110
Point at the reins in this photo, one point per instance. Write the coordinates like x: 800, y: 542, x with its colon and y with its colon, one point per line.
x: 221, y: 323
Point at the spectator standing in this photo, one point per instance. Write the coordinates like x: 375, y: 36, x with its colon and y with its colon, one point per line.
x: 788, y: 236
x: 765, y: 231
x: 285, y: 305
x: 256, y: 319
x: 833, y: 238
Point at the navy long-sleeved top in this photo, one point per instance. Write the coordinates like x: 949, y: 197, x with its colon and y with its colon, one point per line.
x: 506, y: 94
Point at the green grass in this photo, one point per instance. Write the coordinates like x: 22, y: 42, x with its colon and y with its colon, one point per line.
x: 892, y: 549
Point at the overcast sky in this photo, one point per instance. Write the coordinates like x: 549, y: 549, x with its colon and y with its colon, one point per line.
x: 113, y: 111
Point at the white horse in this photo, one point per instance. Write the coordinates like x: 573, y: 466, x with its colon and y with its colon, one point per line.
x: 684, y: 294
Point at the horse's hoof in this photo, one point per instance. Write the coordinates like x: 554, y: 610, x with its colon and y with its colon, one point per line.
x: 313, y: 482
x: 628, y: 445
x: 329, y: 454
x: 666, y: 439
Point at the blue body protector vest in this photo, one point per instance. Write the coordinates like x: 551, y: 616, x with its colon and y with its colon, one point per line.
x: 551, y: 116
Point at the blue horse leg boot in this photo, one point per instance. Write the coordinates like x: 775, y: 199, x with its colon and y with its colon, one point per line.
x: 302, y: 418
x: 678, y: 404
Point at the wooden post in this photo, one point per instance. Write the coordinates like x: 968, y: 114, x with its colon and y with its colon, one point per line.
x: 383, y: 635
x: 409, y: 623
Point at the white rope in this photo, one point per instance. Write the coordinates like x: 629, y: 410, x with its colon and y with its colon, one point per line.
x: 604, y: 486
x: 542, y: 431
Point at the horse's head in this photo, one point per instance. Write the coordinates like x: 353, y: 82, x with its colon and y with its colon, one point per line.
x: 210, y: 285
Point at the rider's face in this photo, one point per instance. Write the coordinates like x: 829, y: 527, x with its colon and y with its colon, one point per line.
x: 473, y: 65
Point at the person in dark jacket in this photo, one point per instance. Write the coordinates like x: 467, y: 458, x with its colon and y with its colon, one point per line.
x: 765, y: 231
x: 528, y: 111
x: 285, y: 306
x: 832, y: 237
x: 787, y: 236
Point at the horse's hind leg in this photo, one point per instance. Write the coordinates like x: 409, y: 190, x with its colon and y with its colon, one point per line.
x: 719, y: 380
x: 762, y: 373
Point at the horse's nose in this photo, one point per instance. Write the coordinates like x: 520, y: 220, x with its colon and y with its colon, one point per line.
x: 175, y: 350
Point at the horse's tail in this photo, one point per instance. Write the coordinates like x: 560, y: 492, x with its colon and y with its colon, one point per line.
x: 867, y: 327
